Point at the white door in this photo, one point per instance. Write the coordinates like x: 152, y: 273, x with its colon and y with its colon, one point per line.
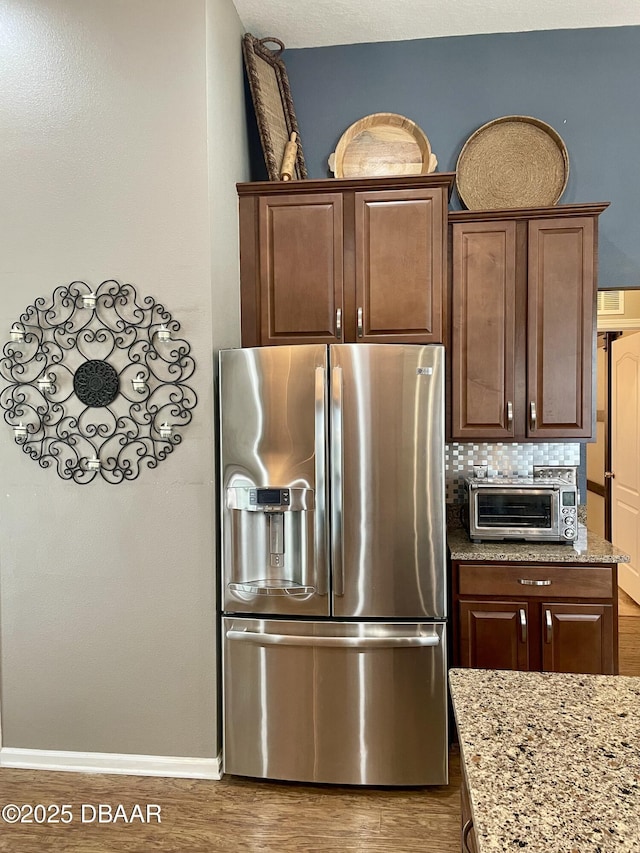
x: 625, y: 458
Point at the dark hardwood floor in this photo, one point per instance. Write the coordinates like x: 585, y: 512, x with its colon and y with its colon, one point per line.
x: 241, y: 816
x: 236, y: 816
x: 628, y: 635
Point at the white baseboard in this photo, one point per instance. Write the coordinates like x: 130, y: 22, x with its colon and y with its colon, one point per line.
x: 105, y: 762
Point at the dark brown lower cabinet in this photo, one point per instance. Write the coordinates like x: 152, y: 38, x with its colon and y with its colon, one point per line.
x: 494, y: 634
x: 539, y: 617
x: 578, y: 638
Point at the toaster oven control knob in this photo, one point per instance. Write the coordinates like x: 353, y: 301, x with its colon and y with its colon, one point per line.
x: 569, y: 533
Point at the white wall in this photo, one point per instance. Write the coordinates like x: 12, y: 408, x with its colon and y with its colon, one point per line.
x: 108, y: 593
x: 228, y: 164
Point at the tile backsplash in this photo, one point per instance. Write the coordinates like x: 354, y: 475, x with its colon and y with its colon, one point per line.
x: 505, y: 459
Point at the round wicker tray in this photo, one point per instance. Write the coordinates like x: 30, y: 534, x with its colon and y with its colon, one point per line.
x: 513, y: 161
x: 382, y: 144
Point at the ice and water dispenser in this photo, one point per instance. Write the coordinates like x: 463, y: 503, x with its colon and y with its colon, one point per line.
x: 270, y: 546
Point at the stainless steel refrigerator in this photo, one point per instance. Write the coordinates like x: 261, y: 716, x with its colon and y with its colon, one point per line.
x: 333, y: 563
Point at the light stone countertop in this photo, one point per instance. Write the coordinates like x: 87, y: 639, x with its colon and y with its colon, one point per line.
x: 588, y: 548
x: 552, y: 760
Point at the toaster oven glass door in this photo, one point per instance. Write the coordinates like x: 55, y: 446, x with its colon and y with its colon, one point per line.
x: 521, y: 508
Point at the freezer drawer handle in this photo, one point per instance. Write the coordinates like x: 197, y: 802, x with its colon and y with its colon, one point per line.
x: 263, y: 639
x: 254, y: 589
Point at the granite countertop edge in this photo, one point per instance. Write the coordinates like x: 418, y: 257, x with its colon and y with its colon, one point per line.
x: 589, y: 547
x: 550, y: 759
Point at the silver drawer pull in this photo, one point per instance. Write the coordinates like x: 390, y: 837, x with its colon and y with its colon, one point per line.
x: 528, y: 582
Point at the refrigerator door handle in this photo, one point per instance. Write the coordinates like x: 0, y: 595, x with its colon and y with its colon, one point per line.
x: 265, y: 639
x: 319, y: 534
x: 336, y: 479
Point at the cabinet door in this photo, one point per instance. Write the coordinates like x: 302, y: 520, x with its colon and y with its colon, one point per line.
x: 561, y: 331
x: 300, y: 268
x: 400, y: 265
x: 578, y: 638
x: 484, y: 330
x: 494, y: 635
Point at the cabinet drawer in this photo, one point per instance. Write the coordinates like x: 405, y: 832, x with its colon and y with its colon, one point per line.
x: 535, y: 580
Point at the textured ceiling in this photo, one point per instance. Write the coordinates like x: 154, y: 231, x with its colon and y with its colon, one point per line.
x: 311, y: 23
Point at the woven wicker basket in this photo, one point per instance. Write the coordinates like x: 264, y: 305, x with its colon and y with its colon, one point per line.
x: 513, y: 161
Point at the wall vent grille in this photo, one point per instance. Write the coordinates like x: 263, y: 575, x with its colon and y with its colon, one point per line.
x: 610, y: 302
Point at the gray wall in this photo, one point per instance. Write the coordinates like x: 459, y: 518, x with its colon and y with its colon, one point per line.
x: 108, y: 593
x: 584, y: 83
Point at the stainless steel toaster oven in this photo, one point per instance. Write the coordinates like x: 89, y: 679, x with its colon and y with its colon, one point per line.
x: 532, y: 509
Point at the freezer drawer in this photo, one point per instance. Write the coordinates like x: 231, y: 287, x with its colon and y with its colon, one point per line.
x: 336, y: 702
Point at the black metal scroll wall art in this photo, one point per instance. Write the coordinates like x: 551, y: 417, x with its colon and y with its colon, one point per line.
x: 95, y: 383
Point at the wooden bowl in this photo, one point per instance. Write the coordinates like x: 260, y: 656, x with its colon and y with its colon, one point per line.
x: 382, y: 144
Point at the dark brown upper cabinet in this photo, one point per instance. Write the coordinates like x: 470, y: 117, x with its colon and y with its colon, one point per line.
x: 332, y: 261
x: 523, y: 323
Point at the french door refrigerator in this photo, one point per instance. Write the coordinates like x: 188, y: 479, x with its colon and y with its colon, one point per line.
x: 333, y: 563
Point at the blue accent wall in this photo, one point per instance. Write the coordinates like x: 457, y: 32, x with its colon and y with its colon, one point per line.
x: 584, y: 83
